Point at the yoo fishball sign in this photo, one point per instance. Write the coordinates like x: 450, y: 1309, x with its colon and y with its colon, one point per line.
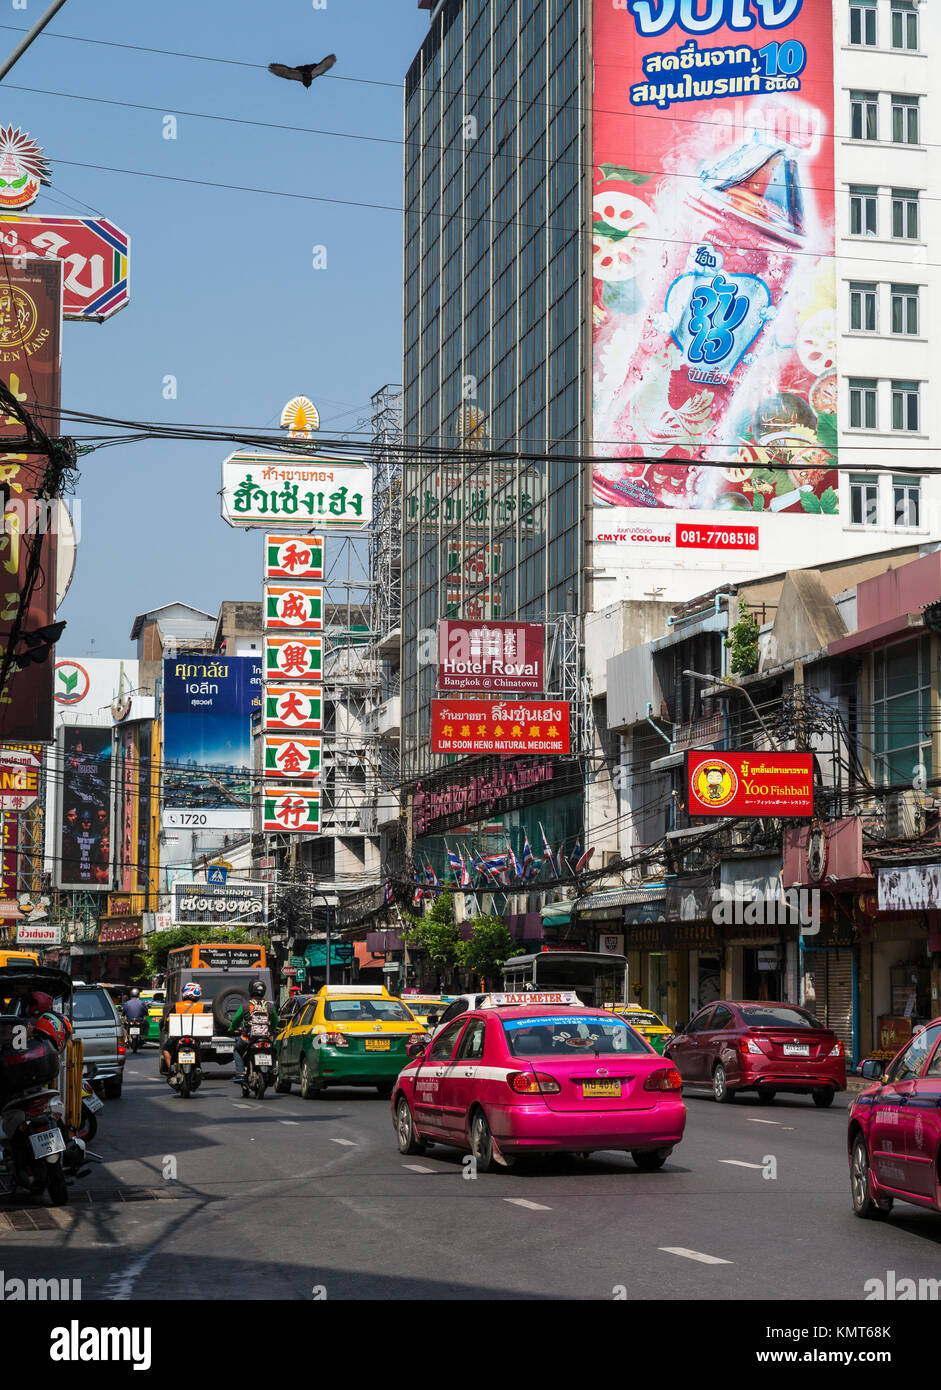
x: 750, y: 784
x: 272, y: 489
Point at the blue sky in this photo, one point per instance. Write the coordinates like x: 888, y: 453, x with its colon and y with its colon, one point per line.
x: 223, y: 293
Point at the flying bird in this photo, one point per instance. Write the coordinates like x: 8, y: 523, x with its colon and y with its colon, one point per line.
x: 304, y: 72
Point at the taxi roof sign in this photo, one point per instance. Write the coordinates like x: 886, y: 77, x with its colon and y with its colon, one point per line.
x: 539, y: 997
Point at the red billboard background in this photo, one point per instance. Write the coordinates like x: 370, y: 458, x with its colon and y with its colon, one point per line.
x: 490, y: 656
x: 750, y: 784
x: 478, y: 726
x: 713, y: 240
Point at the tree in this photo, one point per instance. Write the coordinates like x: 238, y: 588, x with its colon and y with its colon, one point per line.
x: 436, y: 934
x: 489, y: 945
x: 161, y: 942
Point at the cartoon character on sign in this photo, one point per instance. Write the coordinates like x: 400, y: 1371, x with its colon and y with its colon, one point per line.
x: 715, y: 782
x: 23, y: 167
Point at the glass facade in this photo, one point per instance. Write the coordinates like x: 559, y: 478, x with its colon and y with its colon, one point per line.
x: 494, y: 344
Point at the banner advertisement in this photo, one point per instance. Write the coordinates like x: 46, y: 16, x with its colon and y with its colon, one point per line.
x: 30, y: 334
x: 20, y: 770
x: 145, y: 771
x: 127, y: 781
x: 207, y: 740
x: 94, y: 251
x: 911, y: 888
x: 715, y: 383
x: 477, y: 726
x: 750, y: 784
x: 265, y: 489
x: 38, y: 934
x: 294, y: 557
x: 491, y: 656
x: 237, y: 902
x: 83, y: 852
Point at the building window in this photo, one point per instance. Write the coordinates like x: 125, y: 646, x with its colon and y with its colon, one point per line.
x: 905, y: 412
x: 904, y: 25
x: 905, y: 120
x: 901, y: 699
x: 862, y: 404
x: 863, y: 22
x: 905, y: 213
x: 864, y: 501
x: 864, y: 115
x: 905, y: 309
x: 863, y: 308
x: 906, y: 497
x: 864, y: 204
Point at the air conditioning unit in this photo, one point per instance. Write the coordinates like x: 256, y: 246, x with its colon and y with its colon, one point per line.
x: 904, y: 816
x: 609, y: 857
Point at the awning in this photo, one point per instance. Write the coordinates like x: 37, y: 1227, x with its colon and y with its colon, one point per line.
x: 557, y: 912
x: 621, y: 897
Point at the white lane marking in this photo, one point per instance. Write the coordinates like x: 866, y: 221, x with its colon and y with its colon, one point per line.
x: 290, y: 1122
x: 240, y: 1105
x: 417, y: 1168
x: 753, y: 1121
x: 739, y: 1163
x: 350, y: 1143
x: 693, y: 1255
x: 120, y: 1285
x: 522, y: 1202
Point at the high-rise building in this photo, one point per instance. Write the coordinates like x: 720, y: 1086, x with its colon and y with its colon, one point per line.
x: 669, y: 271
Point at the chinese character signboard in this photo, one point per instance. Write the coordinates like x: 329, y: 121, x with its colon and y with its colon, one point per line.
x: 292, y: 708
x: 490, y: 656
x: 93, y: 251
x: 750, y: 784
x: 477, y: 726
x: 298, y: 558
x: 713, y: 240
x: 30, y: 327
x: 291, y: 756
x: 269, y: 489
x: 83, y: 821
x: 290, y: 809
x: 19, y: 777
x: 293, y: 608
x: 297, y: 658
x: 207, y: 740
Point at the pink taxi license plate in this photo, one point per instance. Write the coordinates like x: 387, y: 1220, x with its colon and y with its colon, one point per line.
x: 601, y: 1088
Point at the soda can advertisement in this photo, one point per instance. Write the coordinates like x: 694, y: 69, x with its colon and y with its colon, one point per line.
x: 713, y: 237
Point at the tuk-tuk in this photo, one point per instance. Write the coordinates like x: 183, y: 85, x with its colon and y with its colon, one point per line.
x: 30, y: 1071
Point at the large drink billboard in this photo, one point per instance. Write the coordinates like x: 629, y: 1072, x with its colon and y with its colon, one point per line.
x: 207, y: 741
x: 715, y: 381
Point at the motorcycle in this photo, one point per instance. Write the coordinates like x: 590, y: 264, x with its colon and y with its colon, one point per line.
x: 39, y: 1147
x: 259, y: 1060
x: 91, y: 1104
x: 135, y: 1034
x: 184, y: 1073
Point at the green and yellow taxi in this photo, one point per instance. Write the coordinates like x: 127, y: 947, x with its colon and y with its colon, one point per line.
x: 649, y: 1025
x: 154, y: 999
x: 346, y: 1035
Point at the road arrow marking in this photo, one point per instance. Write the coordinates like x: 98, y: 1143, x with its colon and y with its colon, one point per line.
x: 522, y: 1202
x: 738, y: 1163
x: 693, y: 1255
x: 753, y: 1121
x: 417, y: 1168
x: 350, y: 1143
x: 290, y: 1122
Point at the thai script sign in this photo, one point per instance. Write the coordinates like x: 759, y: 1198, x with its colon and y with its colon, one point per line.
x: 261, y: 489
x: 750, y: 784
x: 94, y: 254
x: 712, y: 242
x: 490, y: 656
x: 477, y: 726
x: 238, y: 901
x: 478, y: 795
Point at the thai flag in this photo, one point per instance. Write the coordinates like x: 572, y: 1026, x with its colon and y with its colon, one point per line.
x: 515, y: 864
x: 495, y: 864
x: 529, y: 859
x: 456, y: 865
x: 417, y: 897
x: 547, y: 854
x: 389, y: 893
x: 430, y: 875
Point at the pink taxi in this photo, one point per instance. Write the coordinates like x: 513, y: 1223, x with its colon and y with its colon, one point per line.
x: 539, y: 1073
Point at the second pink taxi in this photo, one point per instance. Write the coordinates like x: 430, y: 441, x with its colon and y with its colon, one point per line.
x: 539, y: 1073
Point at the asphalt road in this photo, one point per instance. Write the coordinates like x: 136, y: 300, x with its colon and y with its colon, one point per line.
x: 217, y: 1197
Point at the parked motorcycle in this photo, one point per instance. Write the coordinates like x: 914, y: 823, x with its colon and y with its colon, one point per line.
x: 184, y: 1073
x: 91, y: 1104
x: 40, y: 1145
x: 259, y: 1060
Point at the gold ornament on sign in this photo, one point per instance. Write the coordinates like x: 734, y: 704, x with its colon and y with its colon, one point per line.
x: 300, y: 418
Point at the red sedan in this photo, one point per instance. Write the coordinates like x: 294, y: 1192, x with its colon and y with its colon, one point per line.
x: 552, y: 1078
x: 754, y: 1046
x: 894, y: 1136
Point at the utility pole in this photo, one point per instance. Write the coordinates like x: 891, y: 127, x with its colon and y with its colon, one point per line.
x: 33, y: 33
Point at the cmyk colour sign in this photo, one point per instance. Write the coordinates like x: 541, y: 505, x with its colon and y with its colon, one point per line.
x: 750, y: 784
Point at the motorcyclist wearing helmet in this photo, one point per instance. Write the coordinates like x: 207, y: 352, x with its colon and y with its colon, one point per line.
x: 190, y: 1003
x: 134, y: 1010
x: 247, y: 1019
